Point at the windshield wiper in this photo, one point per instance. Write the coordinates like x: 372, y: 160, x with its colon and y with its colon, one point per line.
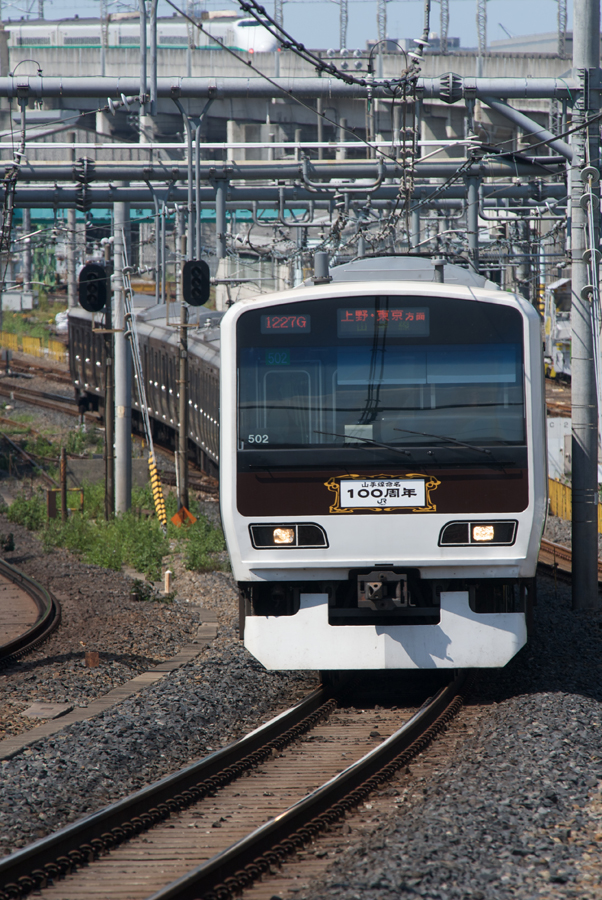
x: 445, y: 437
x: 355, y: 438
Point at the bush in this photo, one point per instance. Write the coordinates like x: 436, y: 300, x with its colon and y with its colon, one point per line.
x: 135, y: 542
x: 204, y: 543
x: 127, y: 539
x: 29, y: 512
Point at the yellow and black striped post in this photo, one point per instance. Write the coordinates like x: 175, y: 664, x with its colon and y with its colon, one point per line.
x: 157, y: 491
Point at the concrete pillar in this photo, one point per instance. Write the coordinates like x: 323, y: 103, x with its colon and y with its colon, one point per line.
x: 123, y: 370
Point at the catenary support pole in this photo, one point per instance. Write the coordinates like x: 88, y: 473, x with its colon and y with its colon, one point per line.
x: 142, y: 8
x: 123, y: 371
x: 472, y: 220
x: 414, y: 228
x: 197, y: 190
x: 153, y: 58
x: 163, y: 252
x: 320, y: 126
x: 27, y: 251
x: 190, y: 184
x: 63, y: 483
x: 183, y: 410
x: 586, y: 62
x: 221, y: 189
x: 71, y: 258
x: 109, y: 448
x: 180, y: 251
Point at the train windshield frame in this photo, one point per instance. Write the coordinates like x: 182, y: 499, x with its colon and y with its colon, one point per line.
x: 396, y: 371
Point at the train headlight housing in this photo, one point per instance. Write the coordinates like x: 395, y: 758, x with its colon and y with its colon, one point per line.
x: 485, y: 534
x: 287, y: 536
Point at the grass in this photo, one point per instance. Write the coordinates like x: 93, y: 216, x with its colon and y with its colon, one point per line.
x: 38, y: 322
x: 129, y: 539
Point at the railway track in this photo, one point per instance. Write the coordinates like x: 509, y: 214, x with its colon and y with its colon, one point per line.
x: 44, y: 399
x: 22, y: 366
x: 28, y: 613
x: 68, y: 406
x: 558, y: 559
x: 214, y: 827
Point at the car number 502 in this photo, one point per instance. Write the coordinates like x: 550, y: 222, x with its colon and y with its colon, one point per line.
x: 258, y: 439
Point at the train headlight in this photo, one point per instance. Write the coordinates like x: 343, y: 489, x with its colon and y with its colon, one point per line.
x: 483, y: 533
x: 461, y: 534
x: 288, y: 536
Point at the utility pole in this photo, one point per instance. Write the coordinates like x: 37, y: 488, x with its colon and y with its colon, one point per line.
x: 586, y: 149
x: 123, y: 370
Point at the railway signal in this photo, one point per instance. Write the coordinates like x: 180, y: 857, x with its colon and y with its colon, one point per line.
x: 196, y: 282
x: 93, y: 287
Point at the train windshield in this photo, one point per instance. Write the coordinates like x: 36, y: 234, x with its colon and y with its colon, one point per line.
x: 395, y: 370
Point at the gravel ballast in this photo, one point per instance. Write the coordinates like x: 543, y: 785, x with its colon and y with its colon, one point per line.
x: 98, y: 614
x: 517, y: 813
x: 560, y: 531
x: 218, y: 697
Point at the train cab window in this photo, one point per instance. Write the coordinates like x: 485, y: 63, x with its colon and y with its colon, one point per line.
x: 365, y: 372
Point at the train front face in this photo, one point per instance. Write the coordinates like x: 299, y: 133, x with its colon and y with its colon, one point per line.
x: 383, y: 474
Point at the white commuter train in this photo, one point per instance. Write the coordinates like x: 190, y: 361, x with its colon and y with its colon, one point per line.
x: 383, y: 468
x: 123, y: 30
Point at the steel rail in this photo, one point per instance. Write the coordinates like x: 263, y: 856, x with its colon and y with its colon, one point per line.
x: 49, y: 618
x: 448, y: 87
x: 29, y: 868
x: 68, y: 406
x: 55, y: 402
x: 556, y: 559
x: 235, y: 868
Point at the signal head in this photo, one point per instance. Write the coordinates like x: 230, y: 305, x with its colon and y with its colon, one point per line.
x: 93, y: 287
x: 196, y: 282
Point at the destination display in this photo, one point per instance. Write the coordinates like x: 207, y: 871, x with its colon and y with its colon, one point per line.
x: 394, y: 322
x: 279, y: 324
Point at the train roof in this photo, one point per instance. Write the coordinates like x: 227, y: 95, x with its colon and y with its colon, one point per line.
x: 406, y: 268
